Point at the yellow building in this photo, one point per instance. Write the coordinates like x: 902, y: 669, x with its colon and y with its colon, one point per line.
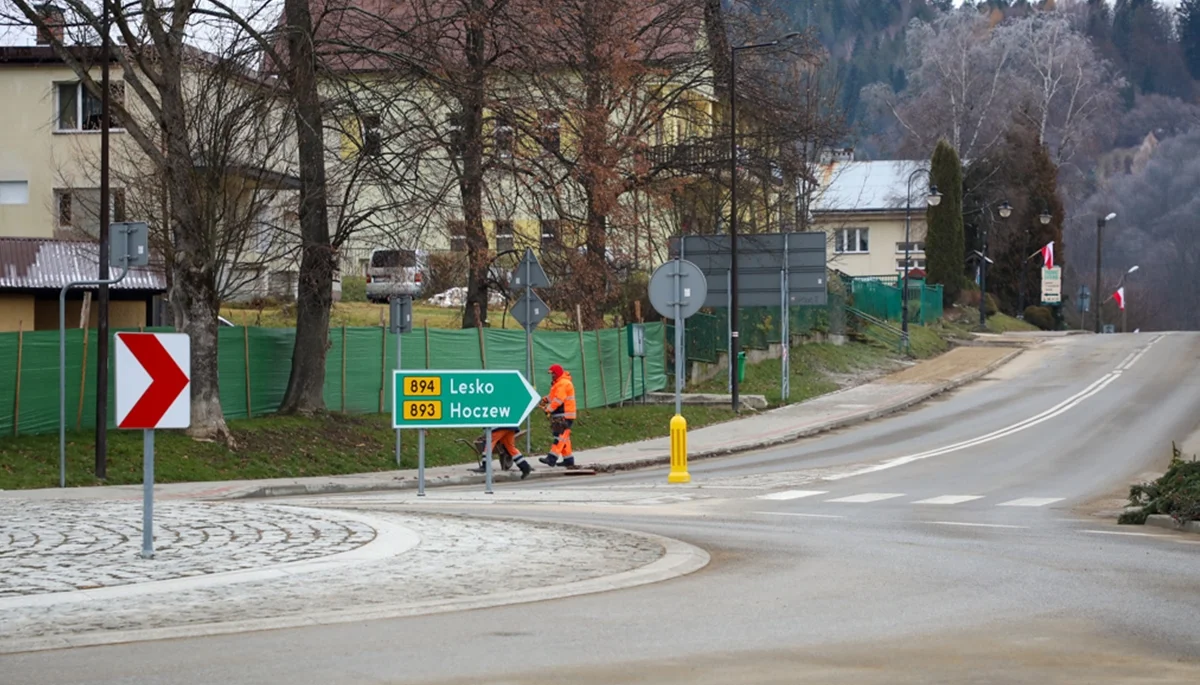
x: 861, y: 206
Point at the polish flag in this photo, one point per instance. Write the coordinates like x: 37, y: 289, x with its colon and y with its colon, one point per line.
x: 1048, y: 255
x: 1119, y: 296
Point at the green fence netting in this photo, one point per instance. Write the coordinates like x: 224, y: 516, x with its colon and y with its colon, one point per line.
x: 253, y: 365
x: 880, y: 296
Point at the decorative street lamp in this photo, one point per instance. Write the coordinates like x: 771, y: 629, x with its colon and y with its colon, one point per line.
x: 933, y: 199
x: 1099, y: 242
x: 734, y: 317
x: 1005, y: 212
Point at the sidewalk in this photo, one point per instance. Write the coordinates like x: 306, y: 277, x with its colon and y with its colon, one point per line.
x: 885, y: 396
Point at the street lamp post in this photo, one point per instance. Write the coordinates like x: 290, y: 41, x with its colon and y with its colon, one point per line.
x: 1124, y: 308
x: 1099, y: 242
x: 734, y: 318
x: 1005, y: 212
x: 932, y: 199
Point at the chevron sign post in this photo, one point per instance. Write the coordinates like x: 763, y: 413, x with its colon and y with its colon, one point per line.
x: 153, y: 372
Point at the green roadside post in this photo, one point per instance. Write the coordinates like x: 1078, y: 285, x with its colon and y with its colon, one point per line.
x: 741, y: 362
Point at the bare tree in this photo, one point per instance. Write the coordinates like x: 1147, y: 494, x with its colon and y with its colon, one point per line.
x: 1069, y: 90
x: 156, y: 63
x: 960, y: 83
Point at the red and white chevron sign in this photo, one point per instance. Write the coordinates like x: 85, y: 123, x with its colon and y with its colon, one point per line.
x: 153, y: 371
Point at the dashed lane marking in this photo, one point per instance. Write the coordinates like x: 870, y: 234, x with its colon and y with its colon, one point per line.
x: 867, y: 497
x: 1030, y: 502
x: 949, y: 499
x: 792, y: 494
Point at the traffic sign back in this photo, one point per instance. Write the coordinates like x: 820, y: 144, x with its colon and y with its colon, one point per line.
x: 537, y: 310
x: 153, y: 371
x: 529, y: 273
x: 693, y: 288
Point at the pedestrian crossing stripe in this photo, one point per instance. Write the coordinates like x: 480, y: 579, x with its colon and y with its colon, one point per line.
x: 792, y: 494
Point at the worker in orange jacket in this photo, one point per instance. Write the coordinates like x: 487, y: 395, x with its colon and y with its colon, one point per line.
x: 560, y: 408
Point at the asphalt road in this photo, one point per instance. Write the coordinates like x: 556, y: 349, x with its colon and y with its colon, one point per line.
x: 955, y: 543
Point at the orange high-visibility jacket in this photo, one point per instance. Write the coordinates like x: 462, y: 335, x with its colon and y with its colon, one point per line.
x: 561, y: 399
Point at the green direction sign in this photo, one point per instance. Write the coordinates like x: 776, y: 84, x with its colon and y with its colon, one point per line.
x: 460, y: 399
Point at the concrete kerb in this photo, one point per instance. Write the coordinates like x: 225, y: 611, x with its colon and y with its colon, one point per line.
x: 1164, y: 521
x: 648, y: 462
x: 679, y: 559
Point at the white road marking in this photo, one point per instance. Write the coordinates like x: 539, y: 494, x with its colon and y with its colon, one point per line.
x: 792, y: 494
x: 1030, y: 502
x: 1032, y: 421
x: 949, y: 499
x: 1121, y: 532
x: 867, y: 497
x: 788, y: 513
x: 975, y: 525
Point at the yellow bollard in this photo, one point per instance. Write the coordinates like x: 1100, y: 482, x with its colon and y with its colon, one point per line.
x: 679, y: 472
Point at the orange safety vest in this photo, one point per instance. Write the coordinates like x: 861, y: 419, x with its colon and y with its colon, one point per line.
x: 562, y: 397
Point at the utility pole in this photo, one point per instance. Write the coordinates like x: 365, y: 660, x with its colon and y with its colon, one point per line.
x: 105, y: 209
x: 1100, y: 222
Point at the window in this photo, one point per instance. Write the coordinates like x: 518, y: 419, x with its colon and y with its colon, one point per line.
x: 550, y: 130
x: 79, y: 208
x: 551, y: 236
x: 79, y: 110
x: 458, y: 235
x: 913, y: 263
x: 912, y: 247
x: 504, y: 236
x: 851, y: 240
x: 372, y: 136
x: 14, y: 192
x: 504, y: 136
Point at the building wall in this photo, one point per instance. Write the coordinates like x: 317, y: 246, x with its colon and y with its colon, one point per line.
x: 121, y: 314
x: 884, y: 256
x: 33, y: 151
x: 17, y: 312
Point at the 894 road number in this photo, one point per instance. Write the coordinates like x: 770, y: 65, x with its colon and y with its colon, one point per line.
x: 429, y: 410
x: 428, y: 386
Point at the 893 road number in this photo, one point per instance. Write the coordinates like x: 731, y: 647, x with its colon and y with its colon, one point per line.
x: 429, y: 410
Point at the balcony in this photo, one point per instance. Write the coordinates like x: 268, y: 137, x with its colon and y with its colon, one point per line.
x: 702, y: 155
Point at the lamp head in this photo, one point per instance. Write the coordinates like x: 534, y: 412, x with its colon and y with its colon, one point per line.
x: 1132, y: 269
x: 1045, y: 217
x: 934, y: 198
x: 1110, y: 217
x: 1005, y: 210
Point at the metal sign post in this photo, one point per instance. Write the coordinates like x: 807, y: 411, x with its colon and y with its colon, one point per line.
x: 529, y: 312
x: 153, y: 372
x: 421, y: 462
x: 400, y: 314
x: 678, y: 289
x: 129, y: 247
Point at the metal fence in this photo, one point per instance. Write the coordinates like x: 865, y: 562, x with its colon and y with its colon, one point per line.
x: 880, y: 297
x: 253, y: 366
x: 706, y: 335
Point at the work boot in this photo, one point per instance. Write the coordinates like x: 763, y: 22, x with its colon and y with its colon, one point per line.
x: 526, y: 469
x: 549, y: 460
x: 569, y: 462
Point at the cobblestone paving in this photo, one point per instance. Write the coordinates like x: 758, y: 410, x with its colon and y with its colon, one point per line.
x: 457, y: 557
x: 58, y: 546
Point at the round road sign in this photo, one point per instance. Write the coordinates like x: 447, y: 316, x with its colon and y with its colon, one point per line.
x: 693, y: 288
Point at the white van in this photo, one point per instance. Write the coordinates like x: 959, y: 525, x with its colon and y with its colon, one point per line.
x: 391, y: 273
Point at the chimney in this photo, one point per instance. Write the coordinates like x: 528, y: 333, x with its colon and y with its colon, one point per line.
x: 52, y: 15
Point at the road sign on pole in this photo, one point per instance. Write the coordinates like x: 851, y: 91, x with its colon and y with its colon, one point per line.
x: 677, y: 289
x: 529, y: 312
x: 460, y: 399
x: 1052, y: 285
x: 153, y: 371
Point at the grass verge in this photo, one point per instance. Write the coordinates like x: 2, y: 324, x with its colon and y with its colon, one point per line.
x: 293, y: 447
x: 815, y: 368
